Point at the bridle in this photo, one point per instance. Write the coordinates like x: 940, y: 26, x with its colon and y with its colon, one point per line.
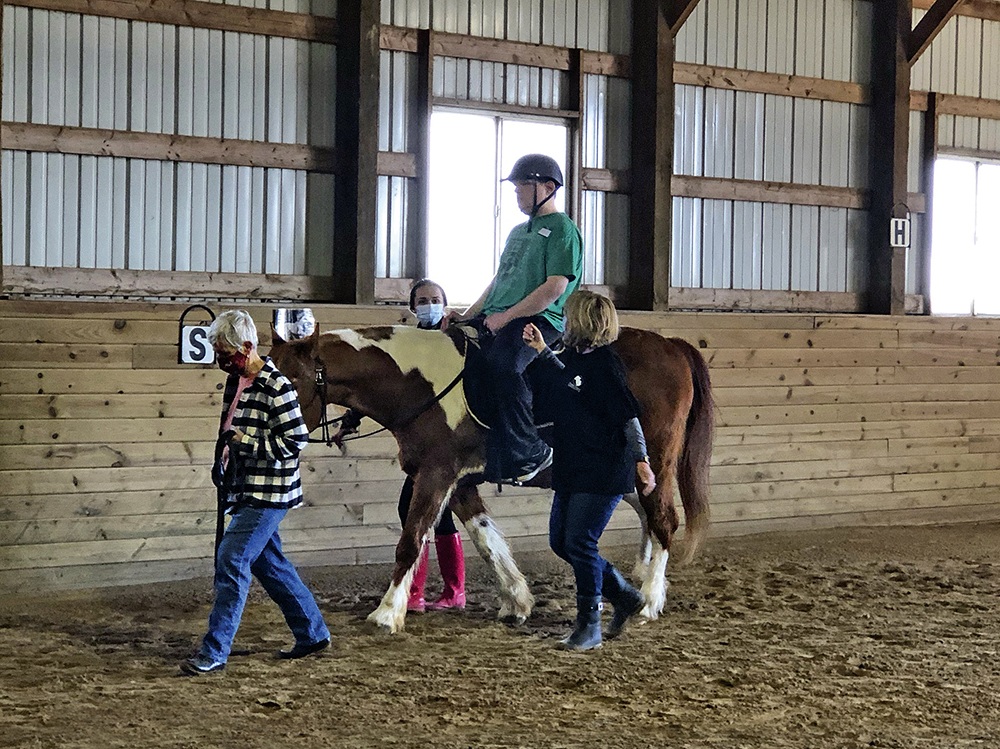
x: 351, y: 419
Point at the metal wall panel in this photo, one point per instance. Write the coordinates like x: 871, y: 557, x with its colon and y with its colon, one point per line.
x: 838, y: 39
x: 751, y: 36
x: 780, y: 56
x: 920, y: 72
x: 689, y: 129
x: 689, y: 45
x: 88, y: 211
x: 686, y: 250
x: 748, y: 225
x: 717, y: 245
x: 720, y: 30
x: 777, y: 138
x: 806, y: 134
x: 809, y: 39
x: 776, y: 247
x: 749, y: 136
x: 861, y: 57
x: 832, y: 268
x: 835, y: 144
x: 719, y: 137
x: 858, y: 147
x: 944, y: 58
x: 804, y: 248
x: 914, y: 169
x: 857, y: 257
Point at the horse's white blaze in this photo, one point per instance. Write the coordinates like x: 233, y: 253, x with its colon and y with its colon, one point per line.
x: 515, y: 597
x: 429, y: 352
x: 654, y: 584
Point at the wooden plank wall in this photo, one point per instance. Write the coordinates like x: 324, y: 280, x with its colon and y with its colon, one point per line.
x: 105, y: 441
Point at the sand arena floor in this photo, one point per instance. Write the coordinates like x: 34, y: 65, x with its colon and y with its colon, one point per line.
x: 839, y: 639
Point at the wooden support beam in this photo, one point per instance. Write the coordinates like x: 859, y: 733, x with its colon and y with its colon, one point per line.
x: 506, y: 51
x: 928, y: 155
x: 777, y: 301
x: 652, y: 157
x: 397, y: 164
x: 987, y: 10
x: 200, y: 15
x: 353, y: 245
x: 676, y: 12
x: 574, y: 176
x: 780, y: 84
x: 929, y: 27
x: 85, y: 141
x: 133, y: 283
x: 418, y: 228
x: 888, y: 144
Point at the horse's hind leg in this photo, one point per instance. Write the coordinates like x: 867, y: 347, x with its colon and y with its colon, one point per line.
x: 425, y: 508
x: 516, y: 600
x: 645, y: 545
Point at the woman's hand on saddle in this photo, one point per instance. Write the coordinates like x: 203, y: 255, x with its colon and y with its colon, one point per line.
x: 533, y: 337
x: 645, y: 478
x: 452, y: 316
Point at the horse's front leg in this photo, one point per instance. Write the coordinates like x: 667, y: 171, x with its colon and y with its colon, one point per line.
x: 516, y: 600
x: 430, y: 495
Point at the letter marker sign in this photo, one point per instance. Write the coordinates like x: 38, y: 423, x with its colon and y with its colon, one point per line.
x: 193, y: 346
x: 899, y: 232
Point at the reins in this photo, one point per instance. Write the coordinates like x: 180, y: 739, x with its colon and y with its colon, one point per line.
x: 351, y: 420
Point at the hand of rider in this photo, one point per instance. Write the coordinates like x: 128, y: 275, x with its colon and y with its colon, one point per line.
x: 533, y: 337
x: 645, y: 478
x: 496, y: 321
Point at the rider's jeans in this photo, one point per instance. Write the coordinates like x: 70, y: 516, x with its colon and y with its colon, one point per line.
x: 251, y: 545
x: 575, y: 525
x: 513, y: 441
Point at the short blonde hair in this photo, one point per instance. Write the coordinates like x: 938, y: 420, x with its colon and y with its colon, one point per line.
x: 591, y: 320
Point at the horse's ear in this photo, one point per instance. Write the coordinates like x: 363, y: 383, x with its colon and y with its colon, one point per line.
x: 314, y: 338
x: 276, y: 339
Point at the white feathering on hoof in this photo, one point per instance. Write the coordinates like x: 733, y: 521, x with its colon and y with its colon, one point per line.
x: 654, y: 584
x: 515, y: 598
x: 391, y: 612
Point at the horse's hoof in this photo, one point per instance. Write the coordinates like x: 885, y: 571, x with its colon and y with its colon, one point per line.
x: 513, y: 620
x: 648, y: 614
x: 380, y: 626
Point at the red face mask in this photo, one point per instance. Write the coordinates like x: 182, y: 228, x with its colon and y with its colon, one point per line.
x: 234, y: 363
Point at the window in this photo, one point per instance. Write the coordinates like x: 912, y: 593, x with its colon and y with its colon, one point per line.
x: 965, y: 246
x: 471, y: 211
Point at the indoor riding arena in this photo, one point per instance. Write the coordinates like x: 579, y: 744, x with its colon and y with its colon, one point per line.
x: 807, y: 192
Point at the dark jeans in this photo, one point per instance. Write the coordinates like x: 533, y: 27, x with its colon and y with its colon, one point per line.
x: 251, y: 546
x: 575, y: 525
x: 445, y: 527
x: 513, y: 441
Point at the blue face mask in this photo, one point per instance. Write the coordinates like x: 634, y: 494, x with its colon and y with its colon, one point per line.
x: 429, y: 314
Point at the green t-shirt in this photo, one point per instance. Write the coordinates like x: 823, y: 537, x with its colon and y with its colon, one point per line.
x: 552, y: 247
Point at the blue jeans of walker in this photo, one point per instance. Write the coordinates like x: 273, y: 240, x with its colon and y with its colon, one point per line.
x: 575, y: 525
x: 251, y: 546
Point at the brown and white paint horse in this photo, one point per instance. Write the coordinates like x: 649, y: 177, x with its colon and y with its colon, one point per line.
x: 386, y: 373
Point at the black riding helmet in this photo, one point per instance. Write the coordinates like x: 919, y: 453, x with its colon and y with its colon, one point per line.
x: 536, y: 167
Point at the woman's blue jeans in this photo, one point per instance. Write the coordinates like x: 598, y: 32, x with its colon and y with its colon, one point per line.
x: 575, y: 526
x: 251, y: 546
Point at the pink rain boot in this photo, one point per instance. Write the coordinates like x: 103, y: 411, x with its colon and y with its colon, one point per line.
x: 416, y: 602
x: 452, y: 563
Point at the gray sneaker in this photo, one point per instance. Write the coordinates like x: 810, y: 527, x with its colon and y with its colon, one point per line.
x: 530, y: 471
x: 201, y: 664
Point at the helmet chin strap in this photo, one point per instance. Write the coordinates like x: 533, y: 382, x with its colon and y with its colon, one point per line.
x: 535, y: 205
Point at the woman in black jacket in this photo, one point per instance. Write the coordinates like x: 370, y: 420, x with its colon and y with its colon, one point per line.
x: 598, y: 451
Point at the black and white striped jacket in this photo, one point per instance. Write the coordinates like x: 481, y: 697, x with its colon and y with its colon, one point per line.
x: 274, y: 434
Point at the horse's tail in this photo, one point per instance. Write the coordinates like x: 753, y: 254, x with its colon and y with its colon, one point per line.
x: 696, y: 456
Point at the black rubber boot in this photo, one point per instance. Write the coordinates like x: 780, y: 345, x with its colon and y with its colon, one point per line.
x: 587, y: 634
x: 626, y: 600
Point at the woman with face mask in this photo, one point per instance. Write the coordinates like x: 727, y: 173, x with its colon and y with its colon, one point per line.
x: 427, y: 302
x: 257, y: 472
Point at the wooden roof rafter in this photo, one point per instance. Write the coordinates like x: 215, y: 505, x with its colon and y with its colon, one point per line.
x: 937, y: 16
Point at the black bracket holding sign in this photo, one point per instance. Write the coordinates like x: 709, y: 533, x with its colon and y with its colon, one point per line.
x: 192, y: 340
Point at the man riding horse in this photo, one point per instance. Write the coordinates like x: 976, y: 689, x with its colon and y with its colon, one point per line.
x: 540, y: 267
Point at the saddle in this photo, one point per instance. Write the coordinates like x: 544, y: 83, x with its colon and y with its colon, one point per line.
x: 473, y: 339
